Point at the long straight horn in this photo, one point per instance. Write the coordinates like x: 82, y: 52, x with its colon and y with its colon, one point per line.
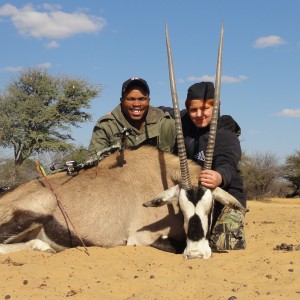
x: 186, y: 181
x: 215, y: 115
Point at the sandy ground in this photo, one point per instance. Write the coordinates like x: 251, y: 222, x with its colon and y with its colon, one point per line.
x: 260, y: 272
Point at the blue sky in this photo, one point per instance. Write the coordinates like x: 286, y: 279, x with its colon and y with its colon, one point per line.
x: 107, y: 42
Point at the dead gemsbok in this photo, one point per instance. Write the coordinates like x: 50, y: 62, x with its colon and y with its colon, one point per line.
x: 105, y: 204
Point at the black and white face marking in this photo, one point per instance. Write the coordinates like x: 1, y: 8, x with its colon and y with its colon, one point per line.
x: 196, y: 205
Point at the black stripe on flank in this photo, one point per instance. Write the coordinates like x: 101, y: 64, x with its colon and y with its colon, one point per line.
x: 23, y: 219
x: 195, y: 230
x: 63, y: 235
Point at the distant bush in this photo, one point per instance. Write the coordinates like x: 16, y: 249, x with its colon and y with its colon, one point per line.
x: 11, y: 175
x: 292, y: 174
x: 261, y: 173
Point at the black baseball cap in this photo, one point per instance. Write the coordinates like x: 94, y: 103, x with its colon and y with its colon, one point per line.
x: 135, y: 81
x: 201, y: 90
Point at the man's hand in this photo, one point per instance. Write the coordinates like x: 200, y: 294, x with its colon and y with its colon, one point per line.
x: 210, y: 179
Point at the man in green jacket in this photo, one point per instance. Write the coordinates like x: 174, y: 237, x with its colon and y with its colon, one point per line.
x: 143, y: 124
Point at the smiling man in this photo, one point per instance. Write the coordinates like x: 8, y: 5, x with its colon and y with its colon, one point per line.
x: 135, y: 102
x: 144, y: 124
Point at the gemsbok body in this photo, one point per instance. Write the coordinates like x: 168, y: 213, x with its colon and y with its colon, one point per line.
x: 105, y: 206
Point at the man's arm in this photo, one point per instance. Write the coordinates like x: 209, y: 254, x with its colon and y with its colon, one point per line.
x: 228, y: 123
x: 227, y: 156
x: 102, y: 134
x: 167, y: 135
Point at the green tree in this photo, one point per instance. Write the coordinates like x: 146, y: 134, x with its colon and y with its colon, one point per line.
x: 37, y: 111
x: 292, y: 167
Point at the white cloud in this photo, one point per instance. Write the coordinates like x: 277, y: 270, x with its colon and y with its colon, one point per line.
x: 44, y: 65
x: 290, y: 113
x: 19, y: 69
x: 13, y: 69
x: 225, y: 79
x: 231, y: 79
x: 52, y: 44
x: 53, y: 24
x: 269, y: 41
x: 201, y: 78
x: 48, y: 6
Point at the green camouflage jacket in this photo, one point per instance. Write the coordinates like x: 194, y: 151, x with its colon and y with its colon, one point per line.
x: 159, y: 131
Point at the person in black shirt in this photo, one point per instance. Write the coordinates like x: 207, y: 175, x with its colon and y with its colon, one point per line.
x: 228, y: 224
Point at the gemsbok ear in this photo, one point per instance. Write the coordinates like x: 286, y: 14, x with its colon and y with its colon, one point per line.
x: 228, y: 200
x: 167, y: 196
